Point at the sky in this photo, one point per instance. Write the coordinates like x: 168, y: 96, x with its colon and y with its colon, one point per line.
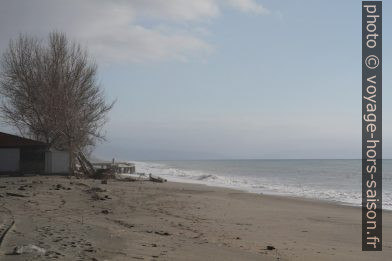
x: 220, y: 79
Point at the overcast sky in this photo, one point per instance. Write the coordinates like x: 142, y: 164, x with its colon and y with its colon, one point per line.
x: 219, y: 78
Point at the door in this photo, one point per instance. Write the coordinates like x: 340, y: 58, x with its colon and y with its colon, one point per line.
x: 9, y: 160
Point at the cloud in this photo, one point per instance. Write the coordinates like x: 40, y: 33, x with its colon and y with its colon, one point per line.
x: 248, y: 6
x: 139, y: 44
x: 178, y: 10
x: 122, y: 30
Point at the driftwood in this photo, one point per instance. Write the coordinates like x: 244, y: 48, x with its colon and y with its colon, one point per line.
x: 140, y: 177
x: 15, y: 195
x: 132, y: 177
x: 157, y: 179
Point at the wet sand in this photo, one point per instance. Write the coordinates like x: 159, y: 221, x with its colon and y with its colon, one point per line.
x: 75, y: 219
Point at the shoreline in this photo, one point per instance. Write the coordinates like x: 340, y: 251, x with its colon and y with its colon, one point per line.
x: 320, y: 200
x: 282, y: 197
x: 257, y: 178
x: 77, y: 219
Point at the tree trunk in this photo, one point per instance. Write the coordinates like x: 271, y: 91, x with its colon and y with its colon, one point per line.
x: 71, y: 160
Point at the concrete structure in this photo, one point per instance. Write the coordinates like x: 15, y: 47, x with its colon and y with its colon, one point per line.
x: 26, y: 156
x: 117, y: 167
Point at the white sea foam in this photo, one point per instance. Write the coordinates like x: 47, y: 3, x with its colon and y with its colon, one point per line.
x: 294, y: 186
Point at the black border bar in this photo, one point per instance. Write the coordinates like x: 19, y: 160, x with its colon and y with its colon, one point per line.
x: 371, y: 125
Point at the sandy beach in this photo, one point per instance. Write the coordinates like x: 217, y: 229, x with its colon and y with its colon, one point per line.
x: 77, y: 219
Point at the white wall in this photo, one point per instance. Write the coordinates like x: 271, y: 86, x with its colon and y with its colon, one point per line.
x: 9, y: 159
x: 56, y: 162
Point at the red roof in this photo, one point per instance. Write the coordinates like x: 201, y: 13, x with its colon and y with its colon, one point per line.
x: 13, y: 141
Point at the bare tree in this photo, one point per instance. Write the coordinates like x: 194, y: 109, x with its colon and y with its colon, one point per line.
x: 50, y: 93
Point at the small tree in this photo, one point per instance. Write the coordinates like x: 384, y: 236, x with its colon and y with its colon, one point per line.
x: 50, y: 93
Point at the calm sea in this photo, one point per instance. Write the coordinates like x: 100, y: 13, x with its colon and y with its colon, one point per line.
x: 331, y: 180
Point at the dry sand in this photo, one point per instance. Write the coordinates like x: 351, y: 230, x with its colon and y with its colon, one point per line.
x: 173, y: 221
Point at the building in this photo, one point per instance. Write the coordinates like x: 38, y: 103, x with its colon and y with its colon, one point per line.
x: 26, y: 156
x: 56, y: 162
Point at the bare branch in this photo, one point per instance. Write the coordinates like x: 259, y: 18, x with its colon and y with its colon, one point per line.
x: 50, y: 92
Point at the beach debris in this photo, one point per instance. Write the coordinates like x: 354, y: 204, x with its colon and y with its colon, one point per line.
x: 139, y: 177
x: 105, y: 211
x: 104, y: 171
x: 96, y: 196
x: 270, y: 248
x: 18, y: 250
x: 59, y: 187
x: 162, y: 233
x: 87, y: 169
x: 16, y: 195
x: 132, y: 177
x: 96, y: 189
x: 23, y: 187
x: 156, y: 179
x: 124, y: 224
x: 79, y: 184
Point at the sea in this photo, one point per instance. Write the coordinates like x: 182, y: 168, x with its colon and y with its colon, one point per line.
x: 330, y: 180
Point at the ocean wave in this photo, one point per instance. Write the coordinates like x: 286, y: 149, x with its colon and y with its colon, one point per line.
x: 264, y: 185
